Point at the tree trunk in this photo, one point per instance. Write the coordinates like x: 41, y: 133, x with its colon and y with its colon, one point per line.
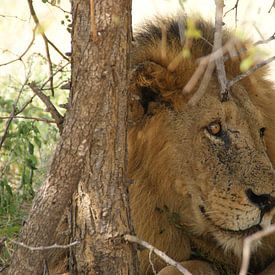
x: 92, y: 151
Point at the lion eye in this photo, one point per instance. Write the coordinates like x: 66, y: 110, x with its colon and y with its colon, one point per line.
x: 214, y: 128
x: 262, y: 131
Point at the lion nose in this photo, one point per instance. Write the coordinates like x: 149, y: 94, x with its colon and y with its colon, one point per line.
x: 264, y: 201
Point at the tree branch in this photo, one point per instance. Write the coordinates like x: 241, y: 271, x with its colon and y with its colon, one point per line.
x: 30, y: 118
x: 58, y: 118
x: 236, y: 12
x: 56, y: 72
x: 21, y: 55
x: 206, y: 65
x: 203, y: 85
x: 264, y: 41
x: 41, y: 248
x: 162, y: 255
x: 250, y: 71
x: 12, y: 115
x: 204, y: 61
x: 272, y: 6
x: 218, y: 45
x: 247, y: 246
x: 46, y: 42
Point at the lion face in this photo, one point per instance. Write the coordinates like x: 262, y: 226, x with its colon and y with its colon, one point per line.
x: 214, y: 155
x: 226, y: 169
x: 210, y: 162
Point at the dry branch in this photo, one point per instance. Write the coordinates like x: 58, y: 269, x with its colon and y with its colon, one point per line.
x: 58, y: 118
x: 250, y: 71
x: 247, y: 246
x: 218, y: 45
x: 41, y: 248
x: 47, y: 42
x: 217, y: 56
x: 204, y: 61
x: 264, y: 41
x: 55, y: 73
x: 39, y: 27
x: 203, y: 85
x: 272, y: 6
x: 13, y: 113
x: 29, y: 118
x: 19, y: 58
x: 236, y: 12
x: 162, y: 255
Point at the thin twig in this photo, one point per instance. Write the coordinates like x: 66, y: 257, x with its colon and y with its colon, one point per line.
x: 30, y: 118
x: 250, y: 71
x: 13, y: 113
x: 203, y: 62
x: 19, y: 58
x: 264, y: 41
x: 162, y: 255
x: 47, y: 42
x: 151, y: 262
x: 56, y: 72
x: 58, y: 118
x: 257, y: 30
x: 60, y: 8
x: 39, y: 27
x: 272, y: 6
x: 236, y: 12
x: 217, y: 56
x: 41, y: 248
x: 57, y: 50
x: 12, y: 17
x: 218, y: 45
x: 203, y: 85
x: 247, y: 246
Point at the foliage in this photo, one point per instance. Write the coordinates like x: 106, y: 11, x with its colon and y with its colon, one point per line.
x: 30, y: 138
x: 24, y: 158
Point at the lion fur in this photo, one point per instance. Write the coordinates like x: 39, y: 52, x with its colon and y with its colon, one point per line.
x: 160, y: 197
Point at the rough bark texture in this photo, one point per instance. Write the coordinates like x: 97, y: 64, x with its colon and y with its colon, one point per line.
x: 91, y: 152
x: 101, y: 213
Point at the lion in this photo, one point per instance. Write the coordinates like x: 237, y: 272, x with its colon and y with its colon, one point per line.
x: 203, y: 176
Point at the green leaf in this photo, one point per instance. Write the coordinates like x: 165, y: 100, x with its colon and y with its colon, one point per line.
x: 31, y: 162
x: 31, y: 148
x: 246, y: 64
x: 37, y: 141
x: 186, y: 53
x: 191, y: 29
x: 23, y: 177
x: 9, y: 190
x: 35, y: 129
x: 181, y: 3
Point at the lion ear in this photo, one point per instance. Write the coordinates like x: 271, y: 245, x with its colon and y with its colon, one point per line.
x: 155, y: 86
x: 154, y: 76
x: 146, y: 101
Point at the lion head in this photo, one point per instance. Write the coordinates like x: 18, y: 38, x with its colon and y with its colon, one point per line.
x: 208, y: 164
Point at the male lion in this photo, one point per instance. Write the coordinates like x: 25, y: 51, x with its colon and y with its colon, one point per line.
x: 202, y: 173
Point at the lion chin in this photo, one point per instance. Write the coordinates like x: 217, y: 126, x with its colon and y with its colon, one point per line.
x: 233, y: 241
x: 202, y: 168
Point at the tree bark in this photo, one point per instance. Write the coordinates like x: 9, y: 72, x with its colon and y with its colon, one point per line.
x: 92, y: 151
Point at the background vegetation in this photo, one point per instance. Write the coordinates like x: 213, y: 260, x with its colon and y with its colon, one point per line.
x: 28, y: 133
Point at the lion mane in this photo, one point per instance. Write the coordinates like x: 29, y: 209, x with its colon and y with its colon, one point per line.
x: 202, y: 172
